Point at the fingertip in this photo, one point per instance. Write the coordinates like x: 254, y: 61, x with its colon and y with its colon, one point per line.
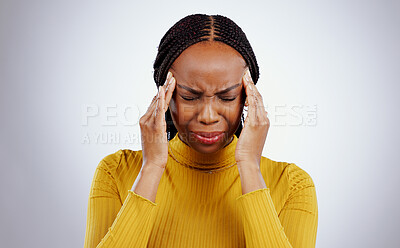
x: 248, y: 74
x: 169, y: 74
x: 172, y: 84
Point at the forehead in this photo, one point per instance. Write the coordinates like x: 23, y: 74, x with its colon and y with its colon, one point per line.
x: 209, y: 66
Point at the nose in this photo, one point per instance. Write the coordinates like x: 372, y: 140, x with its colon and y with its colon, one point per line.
x: 208, y: 113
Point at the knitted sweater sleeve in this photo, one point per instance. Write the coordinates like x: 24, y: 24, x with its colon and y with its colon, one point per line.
x: 111, y: 223
x: 294, y: 226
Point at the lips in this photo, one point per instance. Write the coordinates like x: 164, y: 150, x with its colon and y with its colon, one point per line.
x: 208, y: 134
x: 208, y: 138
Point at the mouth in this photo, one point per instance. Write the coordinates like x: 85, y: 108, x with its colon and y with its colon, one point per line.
x: 208, y: 137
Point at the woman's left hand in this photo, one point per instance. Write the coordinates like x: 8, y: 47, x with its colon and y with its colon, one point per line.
x: 254, y: 133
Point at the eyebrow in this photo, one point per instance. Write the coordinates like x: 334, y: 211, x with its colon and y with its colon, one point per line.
x: 199, y: 92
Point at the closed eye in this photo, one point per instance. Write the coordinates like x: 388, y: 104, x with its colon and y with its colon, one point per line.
x: 195, y: 98
x: 228, y: 99
x: 189, y: 98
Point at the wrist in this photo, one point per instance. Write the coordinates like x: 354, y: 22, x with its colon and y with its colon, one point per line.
x: 150, y: 169
x: 147, y: 181
x: 248, y: 167
x: 251, y: 178
x: 153, y: 164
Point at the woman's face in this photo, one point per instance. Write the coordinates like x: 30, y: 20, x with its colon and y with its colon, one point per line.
x: 208, y: 94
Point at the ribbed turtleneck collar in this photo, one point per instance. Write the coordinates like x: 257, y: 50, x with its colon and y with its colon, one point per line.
x: 183, y: 153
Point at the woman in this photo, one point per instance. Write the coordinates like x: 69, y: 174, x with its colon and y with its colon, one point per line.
x: 200, y: 179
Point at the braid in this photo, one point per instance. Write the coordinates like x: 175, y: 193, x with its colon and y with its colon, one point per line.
x: 193, y: 29
x: 184, y: 33
x: 229, y: 33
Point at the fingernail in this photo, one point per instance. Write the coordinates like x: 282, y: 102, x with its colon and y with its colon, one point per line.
x: 248, y: 75
x: 169, y: 75
x: 171, y: 81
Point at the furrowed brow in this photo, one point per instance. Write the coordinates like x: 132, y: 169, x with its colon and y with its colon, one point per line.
x: 199, y: 92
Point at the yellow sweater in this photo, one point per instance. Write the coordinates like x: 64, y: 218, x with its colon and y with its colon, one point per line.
x: 198, y: 209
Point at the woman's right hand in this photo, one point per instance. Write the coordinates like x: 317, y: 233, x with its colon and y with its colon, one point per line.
x: 153, y: 126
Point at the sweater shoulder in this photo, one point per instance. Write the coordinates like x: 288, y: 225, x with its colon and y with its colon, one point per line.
x: 278, y: 172
x: 122, y: 167
x: 299, y: 179
x: 121, y: 160
x: 274, y: 171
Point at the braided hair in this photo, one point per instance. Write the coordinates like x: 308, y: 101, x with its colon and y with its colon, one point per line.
x: 193, y: 29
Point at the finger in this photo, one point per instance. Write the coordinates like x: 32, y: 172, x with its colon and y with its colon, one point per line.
x: 260, y: 112
x: 150, y: 110
x: 159, y: 111
x: 252, y: 109
x: 165, y: 92
x: 169, y: 91
x: 259, y: 105
x: 251, y: 113
x: 167, y: 80
x: 154, y: 102
x: 257, y: 94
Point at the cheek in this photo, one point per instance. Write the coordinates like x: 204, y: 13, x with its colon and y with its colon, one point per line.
x: 182, y: 112
x: 234, y: 112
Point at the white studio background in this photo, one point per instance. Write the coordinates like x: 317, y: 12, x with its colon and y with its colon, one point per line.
x: 73, y: 71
